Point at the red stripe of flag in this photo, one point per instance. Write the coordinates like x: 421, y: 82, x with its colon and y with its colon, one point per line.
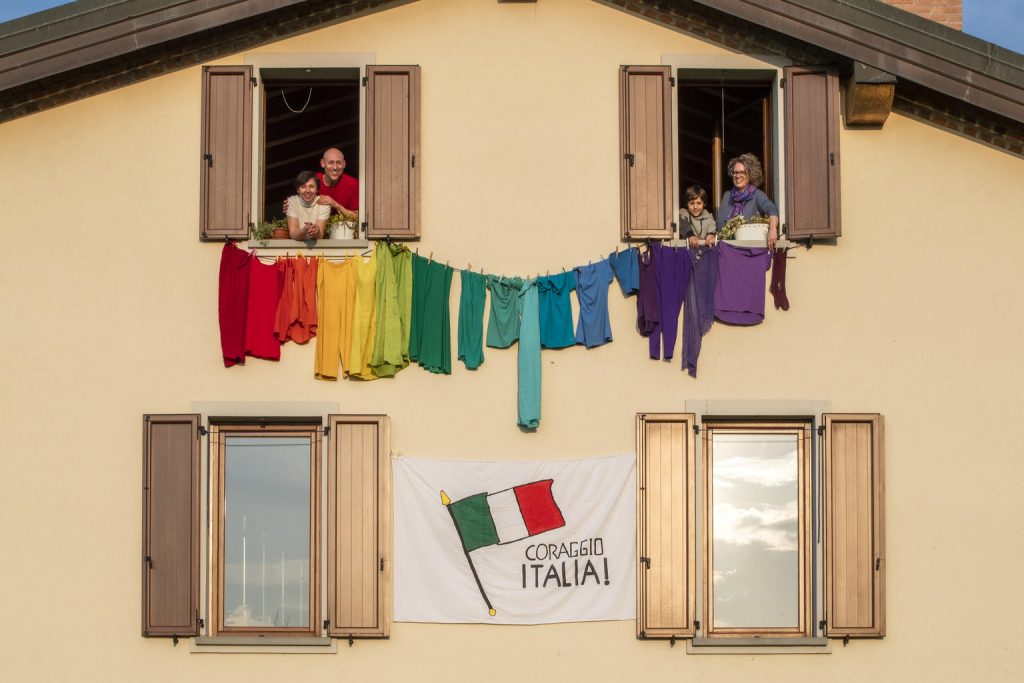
x: 536, y: 502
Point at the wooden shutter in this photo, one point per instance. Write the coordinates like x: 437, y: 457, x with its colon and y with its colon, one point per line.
x: 854, y: 526
x: 359, y: 527
x: 392, y: 177
x: 811, y: 97
x: 645, y: 138
x: 666, y: 526
x: 225, y: 190
x: 170, y: 525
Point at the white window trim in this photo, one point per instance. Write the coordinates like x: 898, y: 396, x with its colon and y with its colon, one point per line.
x: 255, y: 410
x: 724, y: 62
x: 298, y: 60
x: 757, y: 409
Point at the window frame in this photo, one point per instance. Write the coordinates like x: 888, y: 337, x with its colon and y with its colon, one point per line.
x: 808, y: 578
x: 355, y: 586
x: 848, y: 488
x: 298, y: 60
x: 218, y: 435
x: 735, y: 68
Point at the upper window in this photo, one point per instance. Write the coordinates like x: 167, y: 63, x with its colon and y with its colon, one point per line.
x: 680, y: 128
x: 763, y: 488
x: 299, y: 113
x: 305, y: 111
x: 279, y: 565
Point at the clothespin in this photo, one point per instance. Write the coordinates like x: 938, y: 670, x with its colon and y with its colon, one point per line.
x: 431, y: 257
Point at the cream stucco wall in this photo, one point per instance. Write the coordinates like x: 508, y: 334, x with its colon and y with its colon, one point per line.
x: 109, y: 305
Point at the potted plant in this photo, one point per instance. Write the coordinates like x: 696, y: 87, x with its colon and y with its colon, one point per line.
x: 341, y: 228
x: 261, y: 232
x: 280, y: 228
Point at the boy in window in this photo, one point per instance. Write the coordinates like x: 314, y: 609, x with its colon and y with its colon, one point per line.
x: 696, y: 222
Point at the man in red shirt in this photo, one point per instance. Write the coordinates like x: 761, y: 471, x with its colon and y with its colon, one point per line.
x: 336, y: 189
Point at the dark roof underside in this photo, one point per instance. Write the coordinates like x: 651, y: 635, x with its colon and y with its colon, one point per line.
x: 90, y: 46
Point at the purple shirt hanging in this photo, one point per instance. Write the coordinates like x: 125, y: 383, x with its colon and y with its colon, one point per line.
x: 739, y: 294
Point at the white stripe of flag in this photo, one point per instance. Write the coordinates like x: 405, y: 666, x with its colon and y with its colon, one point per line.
x: 508, y: 519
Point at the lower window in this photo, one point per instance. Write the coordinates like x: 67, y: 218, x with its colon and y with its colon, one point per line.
x: 766, y: 530
x: 265, y: 518
x: 756, y: 542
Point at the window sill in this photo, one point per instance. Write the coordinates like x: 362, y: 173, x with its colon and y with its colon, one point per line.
x: 264, y: 645
x: 758, y: 646
x: 310, y: 244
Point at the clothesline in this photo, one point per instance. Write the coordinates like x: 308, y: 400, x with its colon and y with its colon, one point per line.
x: 340, y: 258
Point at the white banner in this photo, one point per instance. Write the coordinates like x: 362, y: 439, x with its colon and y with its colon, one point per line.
x: 515, y: 542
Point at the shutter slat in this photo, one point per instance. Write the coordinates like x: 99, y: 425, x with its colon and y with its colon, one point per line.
x: 812, y: 152
x: 359, y: 527
x: 225, y: 193
x: 170, y: 525
x: 645, y: 118
x: 854, y: 526
x: 392, y: 152
x: 666, y: 526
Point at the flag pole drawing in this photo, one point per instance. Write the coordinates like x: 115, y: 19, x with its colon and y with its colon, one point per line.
x: 504, y: 517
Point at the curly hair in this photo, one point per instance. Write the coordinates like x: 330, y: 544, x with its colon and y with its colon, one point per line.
x: 755, y: 173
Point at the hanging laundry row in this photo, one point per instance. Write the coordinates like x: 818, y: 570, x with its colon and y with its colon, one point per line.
x: 373, y: 318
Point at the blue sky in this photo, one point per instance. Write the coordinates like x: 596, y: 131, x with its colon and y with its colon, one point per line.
x: 998, y: 21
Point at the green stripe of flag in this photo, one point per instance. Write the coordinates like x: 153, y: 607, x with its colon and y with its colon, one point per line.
x: 473, y: 520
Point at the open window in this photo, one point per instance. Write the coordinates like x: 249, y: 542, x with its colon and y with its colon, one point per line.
x: 681, y: 123
x: 788, y: 545
x: 371, y: 113
x: 281, y: 562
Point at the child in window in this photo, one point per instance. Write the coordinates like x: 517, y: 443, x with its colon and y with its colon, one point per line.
x: 696, y: 223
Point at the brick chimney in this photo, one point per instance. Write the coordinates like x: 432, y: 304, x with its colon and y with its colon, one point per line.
x: 948, y: 12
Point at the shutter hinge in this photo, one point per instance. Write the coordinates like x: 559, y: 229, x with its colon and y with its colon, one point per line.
x: 672, y: 81
x: 810, y: 241
x: 414, y: 161
x: 149, y: 561
x: 252, y: 81
x: 364, y: 227
x: 208, y: 158
x: 782, y: 82
x: 696, y: 429
x: 366, y: 79
x: 382, y: 564
x: 642, y: 635
x: 696, y: 625
x: 351, y: 641
x: 846, y: 640
x: 201, y: 431
x: 878, y: 564
x: 327, y: 624
x: 821, y: 430
x: 831, y: 158
x: 674, y: 226
x: 631, y: 158
x: 646, y: 562
x: 200, y: 622
x: 175, y: 639
x: 327, y: 430
x: 821, y: 625
x: 672, y: 641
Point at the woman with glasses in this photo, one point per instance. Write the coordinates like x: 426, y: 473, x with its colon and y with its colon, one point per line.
x: 745, y: 199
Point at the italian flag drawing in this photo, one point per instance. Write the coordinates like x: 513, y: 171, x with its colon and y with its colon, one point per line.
x: 507, y: 516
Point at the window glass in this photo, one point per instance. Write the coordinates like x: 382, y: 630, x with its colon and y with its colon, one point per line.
x: 266, y: 531
x: 755, y: 530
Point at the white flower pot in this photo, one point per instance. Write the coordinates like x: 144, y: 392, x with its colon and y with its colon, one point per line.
x: 343, y: 230
x: 752, y: 231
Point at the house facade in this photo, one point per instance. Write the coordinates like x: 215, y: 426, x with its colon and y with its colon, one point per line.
x: 518, y: 139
